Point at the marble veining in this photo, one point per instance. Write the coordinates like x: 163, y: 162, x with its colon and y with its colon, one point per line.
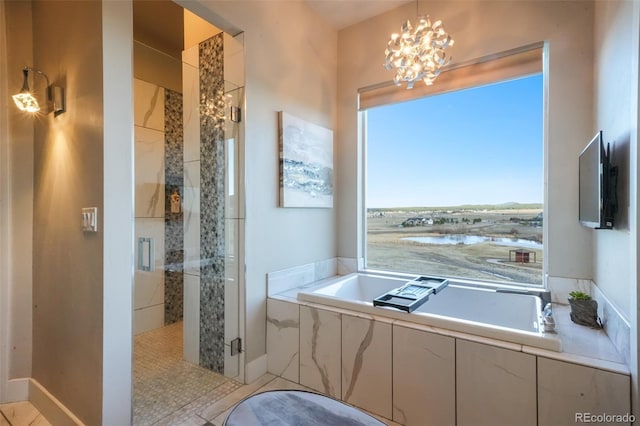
x: 283, y: 336
x: 357, y: 363
x: 320, y: 350
x: 149, y: 173
x: 423, y: 378
x: 367, y: 364
x: 174, y: 218
x: 152, y: 106
x: 322, y: 369
x: 148, y: 105
x: 212, y: 203
x: 152, y: 205
x: 281, y: 324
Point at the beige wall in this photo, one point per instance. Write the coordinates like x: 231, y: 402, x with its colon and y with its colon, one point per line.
x: 19, y: 53
x: 156, y: 67
x: 479, y: 29
x: 612, y: 114
x: 68, y: 264
x: 290, y: 57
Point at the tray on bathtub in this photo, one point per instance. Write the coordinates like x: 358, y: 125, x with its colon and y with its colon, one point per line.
x: 411, y: 295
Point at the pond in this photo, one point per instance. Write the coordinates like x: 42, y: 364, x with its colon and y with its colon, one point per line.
x: 476, y: 239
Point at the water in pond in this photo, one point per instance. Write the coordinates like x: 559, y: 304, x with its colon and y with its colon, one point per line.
x: 476, y: 239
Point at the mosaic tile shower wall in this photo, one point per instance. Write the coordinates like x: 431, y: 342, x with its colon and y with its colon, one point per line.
x: 173, y: 224
x: 212, y: 204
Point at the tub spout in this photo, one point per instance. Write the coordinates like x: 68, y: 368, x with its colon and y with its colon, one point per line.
x: 544, y: 295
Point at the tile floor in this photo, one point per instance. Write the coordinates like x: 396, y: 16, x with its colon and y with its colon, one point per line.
x: 209, y: 409
x: 21, y: 414
x: 169, y: 391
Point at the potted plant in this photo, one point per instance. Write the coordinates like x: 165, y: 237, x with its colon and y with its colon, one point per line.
x: 584, y: 310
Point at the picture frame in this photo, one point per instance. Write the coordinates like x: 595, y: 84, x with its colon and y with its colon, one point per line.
x: 306, y: 163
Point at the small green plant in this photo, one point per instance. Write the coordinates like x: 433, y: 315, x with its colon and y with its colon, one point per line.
x: 578, y: 295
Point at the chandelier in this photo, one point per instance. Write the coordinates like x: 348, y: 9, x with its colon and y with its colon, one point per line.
x: 418, y: 54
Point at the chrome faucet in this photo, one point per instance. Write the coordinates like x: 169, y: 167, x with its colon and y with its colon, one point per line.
x: 544, y: 295
x: 548, y: 321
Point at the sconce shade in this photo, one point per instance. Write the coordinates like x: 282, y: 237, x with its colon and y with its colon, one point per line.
x: 25, y: 100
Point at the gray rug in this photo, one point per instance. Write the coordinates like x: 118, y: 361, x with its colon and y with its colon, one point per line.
x: 296, y: 408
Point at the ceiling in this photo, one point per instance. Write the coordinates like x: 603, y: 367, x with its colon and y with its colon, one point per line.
x: 159, y: 23
x: 342, y: 13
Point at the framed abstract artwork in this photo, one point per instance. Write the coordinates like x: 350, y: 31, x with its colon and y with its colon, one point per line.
x: 306, y: 163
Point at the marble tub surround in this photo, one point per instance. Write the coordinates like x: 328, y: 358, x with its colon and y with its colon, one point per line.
x: 320, y: 343
x: 347, y: 265
x: 560, y: 288
x: 401, y: 368
x: 423, y: 365
x: 366, y: 364
x: 615, y: 324
x: 511, y: 398
x: 283, y: 334
x: 583, y: 345
x: 298, y: 276
x: 565, y: 389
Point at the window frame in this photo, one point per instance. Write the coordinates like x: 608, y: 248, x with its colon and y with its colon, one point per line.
x: 499, y: 67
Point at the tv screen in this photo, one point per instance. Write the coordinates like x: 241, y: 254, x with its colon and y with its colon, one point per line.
x: 597, y: 196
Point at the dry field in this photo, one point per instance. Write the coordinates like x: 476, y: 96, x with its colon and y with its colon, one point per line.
x: 386, y: 248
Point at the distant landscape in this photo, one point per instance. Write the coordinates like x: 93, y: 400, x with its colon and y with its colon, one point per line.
x: 500, y: 242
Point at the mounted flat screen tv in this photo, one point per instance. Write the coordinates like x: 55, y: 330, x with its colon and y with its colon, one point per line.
x: 598, y: 181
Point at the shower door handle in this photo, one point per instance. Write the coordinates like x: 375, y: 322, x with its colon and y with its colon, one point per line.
x: 146, y: 254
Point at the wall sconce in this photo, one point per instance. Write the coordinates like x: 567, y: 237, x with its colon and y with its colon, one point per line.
x: 25, y: 100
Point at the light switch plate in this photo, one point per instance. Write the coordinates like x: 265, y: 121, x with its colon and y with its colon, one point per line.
x: 90, y: 219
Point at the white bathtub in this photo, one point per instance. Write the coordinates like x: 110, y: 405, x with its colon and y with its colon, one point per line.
x: 464, y: 308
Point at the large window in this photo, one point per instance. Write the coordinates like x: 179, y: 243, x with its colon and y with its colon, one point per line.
x: 454, y: 183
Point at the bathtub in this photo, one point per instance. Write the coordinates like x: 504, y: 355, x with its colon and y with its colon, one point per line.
x: 459, y: 307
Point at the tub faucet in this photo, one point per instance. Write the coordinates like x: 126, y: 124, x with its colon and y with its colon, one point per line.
x: 548, y: 321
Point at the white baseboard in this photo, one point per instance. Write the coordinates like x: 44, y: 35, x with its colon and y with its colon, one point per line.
x: 16, y: 390
x: 256, y: 369
x: 53, y: 410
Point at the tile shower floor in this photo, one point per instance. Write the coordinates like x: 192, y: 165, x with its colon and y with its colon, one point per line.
x: 165, y: 387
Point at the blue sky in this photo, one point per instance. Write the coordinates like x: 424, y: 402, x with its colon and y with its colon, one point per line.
x: 475, y: 146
